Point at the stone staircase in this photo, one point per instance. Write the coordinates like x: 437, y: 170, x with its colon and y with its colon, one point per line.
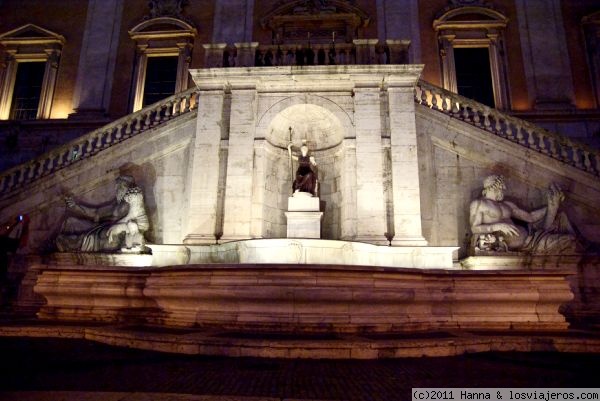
x: 502, y: 125
x: 98, y: 140
x: 513, y: 129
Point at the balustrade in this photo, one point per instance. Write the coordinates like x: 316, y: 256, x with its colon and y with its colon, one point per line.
x: 505, y: 126
x: 360, y: 51
x: 97, y: 140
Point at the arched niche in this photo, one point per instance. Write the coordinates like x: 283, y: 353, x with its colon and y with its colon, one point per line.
x: 324, y: 132
x: 470, y: 27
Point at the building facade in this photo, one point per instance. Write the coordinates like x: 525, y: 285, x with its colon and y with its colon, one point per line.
x: 77, y: 65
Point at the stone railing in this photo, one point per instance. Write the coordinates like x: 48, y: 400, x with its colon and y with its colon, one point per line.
x: 511, y: 128
x: 98, y: 140
x: 359, y: 51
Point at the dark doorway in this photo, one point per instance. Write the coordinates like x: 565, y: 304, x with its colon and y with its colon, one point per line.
x: 27, y: 90
x: 161, y: 75
x: 473, y: 74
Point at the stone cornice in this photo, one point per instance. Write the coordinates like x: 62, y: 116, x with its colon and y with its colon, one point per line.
x: 322, y: 78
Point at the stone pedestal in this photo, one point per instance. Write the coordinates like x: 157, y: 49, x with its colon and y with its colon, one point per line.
x: 303, y: 216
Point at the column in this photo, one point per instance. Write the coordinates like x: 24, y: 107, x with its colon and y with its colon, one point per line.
x: 400, y: 22
x: 97, y: 59
x: 203, y: 173
x: 370, y: 203
x: 48, y: 84
x: 233, y: 21
x: 240, y: 161
x: 6, y: 85
x: 543, y: 43
x: 213, y: 54
x: 348, y: 189
x: 405, y: 168
x: 245, y: 54
x: 365, y: 51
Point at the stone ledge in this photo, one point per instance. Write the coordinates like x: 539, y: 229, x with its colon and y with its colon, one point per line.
x: 306, y: 298
x: 198, y: 342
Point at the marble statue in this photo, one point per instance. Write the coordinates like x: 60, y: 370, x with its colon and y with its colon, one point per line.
x: 119, y: 225
x: 306, y: 174
x: 495, y: 223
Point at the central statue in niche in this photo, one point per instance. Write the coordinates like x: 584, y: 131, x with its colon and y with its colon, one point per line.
x: 304, y: 207
x: 306, y: 175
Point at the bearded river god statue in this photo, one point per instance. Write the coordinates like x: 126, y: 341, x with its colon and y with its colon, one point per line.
x: 496, y: 224
x: 119, y: 225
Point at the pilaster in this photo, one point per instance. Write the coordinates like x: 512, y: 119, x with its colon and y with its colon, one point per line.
x: 203, y: 176
x: 348, y: 218
x: 245, y: 54
x: 240, y: 161
x: 370, y: 203
x: 97, y: 59
x: 544, y: 46
x: 405, y: 168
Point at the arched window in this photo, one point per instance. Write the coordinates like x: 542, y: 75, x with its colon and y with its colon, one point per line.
x: 28, y: 72
x: 591, y: 28
x: 471, y: 49
x: 164, y: 48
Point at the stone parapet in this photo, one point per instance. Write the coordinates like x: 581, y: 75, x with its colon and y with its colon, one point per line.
x: 308, y: 298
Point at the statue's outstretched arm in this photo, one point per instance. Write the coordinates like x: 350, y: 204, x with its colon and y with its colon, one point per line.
x: 528, y: 217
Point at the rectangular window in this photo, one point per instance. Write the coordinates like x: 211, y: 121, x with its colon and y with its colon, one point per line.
x: 161, y: 76
x: 473, y: 74
x: 27, y: 90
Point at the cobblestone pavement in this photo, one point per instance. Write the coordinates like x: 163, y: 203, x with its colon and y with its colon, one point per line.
x: 30, y: 364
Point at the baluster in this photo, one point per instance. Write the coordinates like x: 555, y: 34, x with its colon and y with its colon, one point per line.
x: 35, y: 170
x: 434, y: 101
x: 424, y: 97
x: 542, y: 143
x: 138, y: 123
x: 486, y: 118
x: 194, y: 100
x: 51, y: 163
x: 22, y: 174
x: 447, y: 104
x: 418, y: 94
x: 157, y: 115
x: 564, y: 152
x: 465, y: 113
x: 498, y: 126
x: 167, y: 114
x: 531, y: 139
x: 187, y: 105
x: 86, y: 147
x: 11, y: 180
x: 587, y: 162
x: 147, y: 122
x: 3, y: 183
x: 455, y: 109
x: 519, y: 135
x: 101, y: 144
x: 129, y: 127
x: 74, y: 154
x: 109, y: 138
x: 44, y: 166
x: 476, y: 119
x: 177, y: 107
x: 578, y: 155
x: 554, y: 148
